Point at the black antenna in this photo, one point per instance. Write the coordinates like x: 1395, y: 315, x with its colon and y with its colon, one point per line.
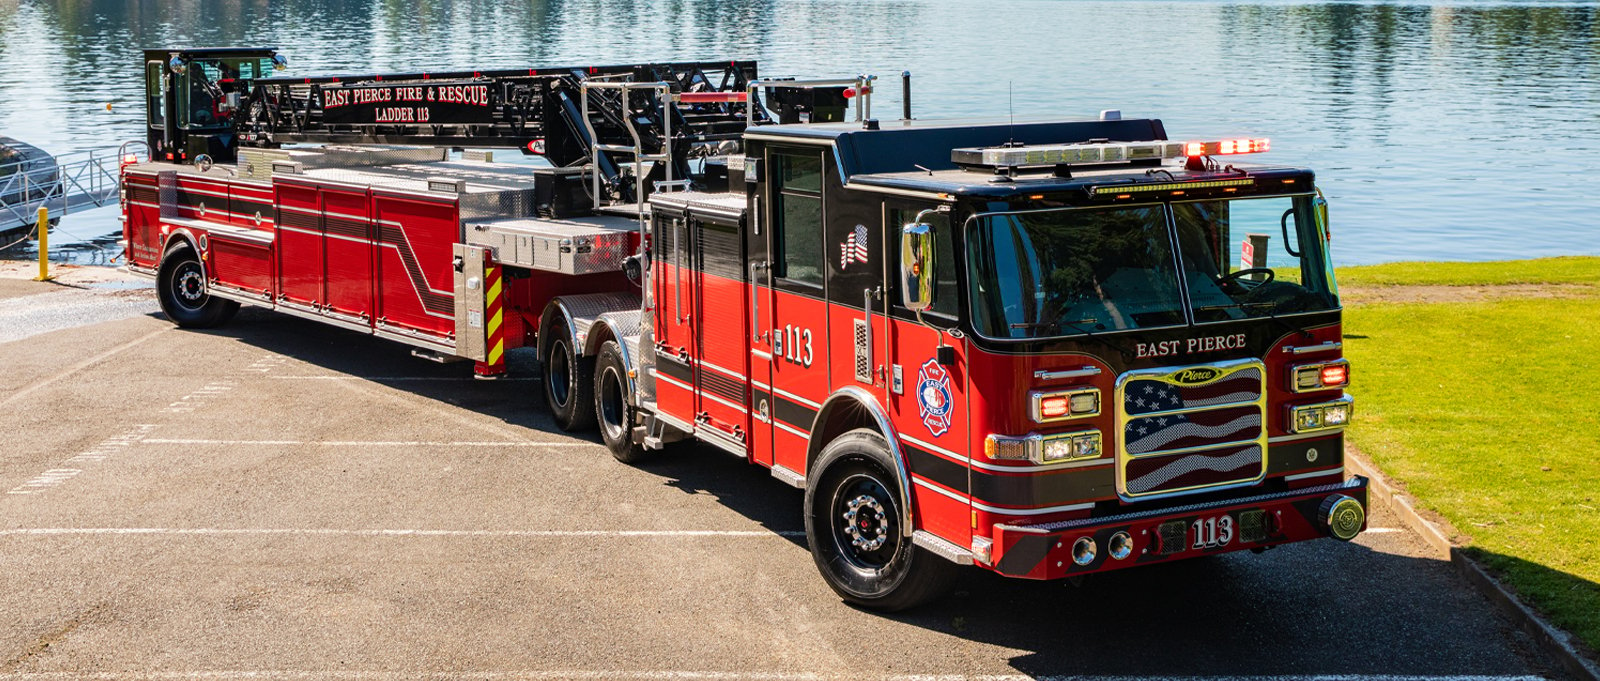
x: 1011, y: 110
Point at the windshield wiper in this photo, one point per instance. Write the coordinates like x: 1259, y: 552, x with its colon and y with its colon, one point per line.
x: 1056, y: 325
x: 1272, y: 314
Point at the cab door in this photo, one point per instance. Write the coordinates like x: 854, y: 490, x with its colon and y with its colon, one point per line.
x: 930, y: 401
x: 792, y: 309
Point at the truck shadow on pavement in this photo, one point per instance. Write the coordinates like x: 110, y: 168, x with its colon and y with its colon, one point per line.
x: 1323, y: 607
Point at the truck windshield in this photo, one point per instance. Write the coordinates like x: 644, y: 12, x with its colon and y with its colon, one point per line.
x: 1049, y: 273
x: 1253, y: 258
x: 1066, y: 272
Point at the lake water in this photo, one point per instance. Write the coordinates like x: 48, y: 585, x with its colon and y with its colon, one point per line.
x: 1458, y: 130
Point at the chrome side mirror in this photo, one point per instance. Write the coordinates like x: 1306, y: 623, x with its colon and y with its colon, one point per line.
x: 178, y: 65
x: 916, y: 265
x: 280, y: 62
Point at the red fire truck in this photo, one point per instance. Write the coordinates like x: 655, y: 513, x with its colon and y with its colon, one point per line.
x: 1025, y: 346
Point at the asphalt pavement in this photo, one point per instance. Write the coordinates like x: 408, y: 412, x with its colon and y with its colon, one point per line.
x: 278, y: 499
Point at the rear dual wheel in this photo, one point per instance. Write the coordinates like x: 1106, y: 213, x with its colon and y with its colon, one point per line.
x: 568, y: 378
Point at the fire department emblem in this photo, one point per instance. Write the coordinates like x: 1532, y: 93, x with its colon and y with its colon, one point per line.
x: 934, y: 400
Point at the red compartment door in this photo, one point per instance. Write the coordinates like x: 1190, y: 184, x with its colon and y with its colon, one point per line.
x: 415, y: 279
x: 299, y: 247
x: 347, y: 247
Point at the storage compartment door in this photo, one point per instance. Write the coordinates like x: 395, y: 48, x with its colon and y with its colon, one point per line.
x: 347, y: 248
x: 416, y: 241
x: 299, y: 246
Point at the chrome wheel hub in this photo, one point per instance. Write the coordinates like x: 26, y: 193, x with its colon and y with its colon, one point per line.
x: 866, y: 523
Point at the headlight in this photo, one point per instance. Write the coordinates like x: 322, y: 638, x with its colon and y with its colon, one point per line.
x: 1044, y: 449
x: 1324, y: 416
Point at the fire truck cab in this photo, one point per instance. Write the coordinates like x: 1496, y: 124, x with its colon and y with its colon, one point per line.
x: 1043, y: 348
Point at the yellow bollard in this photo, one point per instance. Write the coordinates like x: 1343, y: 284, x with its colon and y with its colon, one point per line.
x: 43, y: 225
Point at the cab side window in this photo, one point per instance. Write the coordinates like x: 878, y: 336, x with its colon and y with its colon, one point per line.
x: 797, y: 217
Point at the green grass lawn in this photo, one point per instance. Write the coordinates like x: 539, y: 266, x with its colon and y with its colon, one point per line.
x: 1489, y: 414
x: 1568, y: 270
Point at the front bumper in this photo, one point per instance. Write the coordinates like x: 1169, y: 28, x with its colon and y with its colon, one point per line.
x: 1046, y: 551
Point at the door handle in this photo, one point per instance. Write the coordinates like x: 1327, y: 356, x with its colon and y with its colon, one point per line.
x: 755, y: 299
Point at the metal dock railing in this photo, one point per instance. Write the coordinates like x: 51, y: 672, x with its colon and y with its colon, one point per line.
x: 70, y: 182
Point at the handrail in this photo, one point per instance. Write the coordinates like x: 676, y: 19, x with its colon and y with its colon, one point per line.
x: 60, y: 183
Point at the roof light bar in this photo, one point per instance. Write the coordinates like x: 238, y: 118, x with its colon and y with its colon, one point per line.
x: 1065, y: 154
x: 1042, y: 155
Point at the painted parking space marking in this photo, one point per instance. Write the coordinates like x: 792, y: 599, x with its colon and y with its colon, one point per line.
x: 70, y: 468
x: 364, y: 443
x: 401, y: 379
x: 334, y: 532
x: 685, y: 675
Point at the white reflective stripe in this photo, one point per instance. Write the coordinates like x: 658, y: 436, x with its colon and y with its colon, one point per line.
x: 763, y: 354
x: 760, y: 385
x: 934, y: 488
x: 1315, y: 474
x: 721, y: 370
x: 784, y: 427
x: 1303, y: 436
x: 340, y: 237
x: 737, y: 407
x: 212, y: 531
x: 1030, y: 511
x: 797, y: 398
x: 663, y: 377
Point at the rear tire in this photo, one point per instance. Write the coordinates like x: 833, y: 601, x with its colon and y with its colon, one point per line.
x: 613, y: 410
x: 568, y: 378
x: 181, y: 288
x: 853, y: 524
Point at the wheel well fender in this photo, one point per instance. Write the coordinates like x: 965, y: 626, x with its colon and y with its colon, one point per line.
x: 552, y: 312
x: 851, y: 408
x: 181, y: 236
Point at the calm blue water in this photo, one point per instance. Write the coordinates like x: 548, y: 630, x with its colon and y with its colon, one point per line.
x: 1458, y: 130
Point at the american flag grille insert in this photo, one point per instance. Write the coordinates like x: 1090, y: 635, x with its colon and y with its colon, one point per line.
x: 1190, y: 429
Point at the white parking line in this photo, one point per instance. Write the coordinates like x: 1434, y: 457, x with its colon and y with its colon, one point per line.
x: 676, y: 675
x: 359, y: 443
x: 385, y: 379
x: 333, y: 532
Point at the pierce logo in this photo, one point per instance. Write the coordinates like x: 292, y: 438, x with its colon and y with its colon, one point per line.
x: 934, y: 401
x: 1195, y: 376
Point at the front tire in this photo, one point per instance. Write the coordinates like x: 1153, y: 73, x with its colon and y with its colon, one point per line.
x: 613, y: 410
x: 568, y: 378
x: 853, y: 524
x: 181, y: 288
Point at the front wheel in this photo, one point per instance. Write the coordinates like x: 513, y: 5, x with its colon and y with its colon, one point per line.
x: 855, y: 529
x: 181, y: 288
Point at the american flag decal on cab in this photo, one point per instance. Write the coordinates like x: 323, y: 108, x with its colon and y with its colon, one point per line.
x: 1191, y: 429
x: 854, y: 248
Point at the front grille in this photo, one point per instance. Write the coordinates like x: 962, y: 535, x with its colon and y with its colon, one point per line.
x: 1191, y: 429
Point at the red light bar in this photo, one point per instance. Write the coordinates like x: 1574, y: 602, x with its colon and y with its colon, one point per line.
x: 712, y: 97
x: 1226, y: 147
